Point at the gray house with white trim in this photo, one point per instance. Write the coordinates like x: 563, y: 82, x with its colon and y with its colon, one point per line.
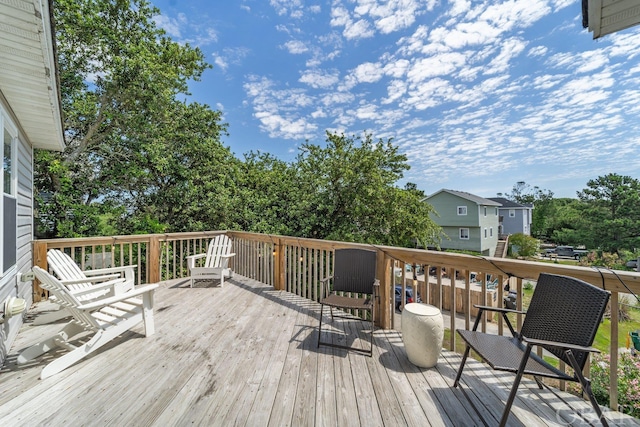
x: 470, y: 222
x: 514, y: 217
x: 30, y: 117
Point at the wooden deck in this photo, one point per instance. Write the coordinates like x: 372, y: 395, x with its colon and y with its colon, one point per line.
x: 245, y: 354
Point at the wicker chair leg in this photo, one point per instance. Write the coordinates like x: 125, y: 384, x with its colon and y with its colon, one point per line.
x: 586, y: 387
x: 514, y: 387
x: 464, y: 359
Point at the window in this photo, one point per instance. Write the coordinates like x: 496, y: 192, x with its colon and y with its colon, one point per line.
x: 485, y: 233
x: 8, y: 202
x: 496, y: 211
x: 512, y: 213
x: 464, y: 233
x: 462, y: 210
x: 485, y: 211
x: 490, y: 231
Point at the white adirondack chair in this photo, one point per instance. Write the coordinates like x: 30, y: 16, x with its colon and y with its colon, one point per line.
x: 102, y: 281
x: 216, y: 264
x: 105, y: 318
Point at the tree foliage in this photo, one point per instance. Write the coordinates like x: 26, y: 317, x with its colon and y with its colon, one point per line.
x: 141, y: 159
x: 611, y: 208
x: 344, y: 190
x: 541, y: 200
x: 125, y: 127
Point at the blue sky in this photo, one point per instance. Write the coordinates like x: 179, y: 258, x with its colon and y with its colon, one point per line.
x: 478, y: 94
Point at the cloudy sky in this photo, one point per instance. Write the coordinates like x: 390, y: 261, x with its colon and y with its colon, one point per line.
x: 478, y: 94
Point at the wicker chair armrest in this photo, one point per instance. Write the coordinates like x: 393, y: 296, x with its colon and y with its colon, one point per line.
x: 498, y: 309
x: 325, y: 286
x: 503, y: 312
x: 562, y: 345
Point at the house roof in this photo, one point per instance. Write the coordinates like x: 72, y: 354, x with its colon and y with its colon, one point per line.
x: 29, y: 76
x: 506, y: 203
x: 468, y: 196
x: 604, y: 17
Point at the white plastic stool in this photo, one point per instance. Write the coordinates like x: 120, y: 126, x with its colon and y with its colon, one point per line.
x: 422, y: 334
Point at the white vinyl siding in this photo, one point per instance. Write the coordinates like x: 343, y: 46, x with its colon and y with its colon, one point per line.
x: 8, y: 202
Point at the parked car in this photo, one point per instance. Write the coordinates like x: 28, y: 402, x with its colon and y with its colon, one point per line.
x: 409, y: 296
x: 566, y: 251
x: 632, y: 264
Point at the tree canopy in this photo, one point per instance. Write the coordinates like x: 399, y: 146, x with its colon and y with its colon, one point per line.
x: 142, y: 158
x: 130, y: 140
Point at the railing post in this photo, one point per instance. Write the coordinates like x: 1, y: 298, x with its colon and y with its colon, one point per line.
x: 280, y: 269
x: 613, y: 363
x: 40, y: 260
x: 383, y: 311
x: 154, y: 259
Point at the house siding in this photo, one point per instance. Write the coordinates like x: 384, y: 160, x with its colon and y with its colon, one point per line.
x: 9, y: 285
x: 30, y: 104
x: 446, y: 206
x: 513, y: 225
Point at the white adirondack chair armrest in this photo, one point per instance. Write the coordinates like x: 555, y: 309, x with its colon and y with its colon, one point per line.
x: 191, y: 260
x: 109, y: 270
x: 228, y: 255
x: 91, y: 279
x: 110, y: 300
x: 93, y: 288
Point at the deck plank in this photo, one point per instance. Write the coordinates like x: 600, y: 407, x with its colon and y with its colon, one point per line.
x: 246, y: 354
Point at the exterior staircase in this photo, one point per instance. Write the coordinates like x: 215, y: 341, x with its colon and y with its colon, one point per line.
x: 501, y: 248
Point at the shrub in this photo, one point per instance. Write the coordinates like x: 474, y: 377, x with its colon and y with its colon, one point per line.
x: 527, y: 245
x: 628, y: 382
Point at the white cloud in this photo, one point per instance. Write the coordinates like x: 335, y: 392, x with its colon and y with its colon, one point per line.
x: 176, y: 28
x: 170, y: 25
x: 357, y: 30
x: 230, y: 56
x: 295, y: 47
x: 320, y: 79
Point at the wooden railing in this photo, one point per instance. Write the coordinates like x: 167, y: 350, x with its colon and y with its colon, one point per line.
x: 296, y: 265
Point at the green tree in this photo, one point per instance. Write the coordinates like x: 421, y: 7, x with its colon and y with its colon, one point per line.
x: 347, y: 192
x: 566, y: 225
x: 527, y: 246
x: 541, y: 200
x: 269, y: 190
x: 612, y: 211
x: 121, y: 80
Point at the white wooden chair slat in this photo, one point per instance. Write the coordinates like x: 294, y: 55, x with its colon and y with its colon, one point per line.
x: 117, y: 280
x: 105, y: 319
x: 216, y: 264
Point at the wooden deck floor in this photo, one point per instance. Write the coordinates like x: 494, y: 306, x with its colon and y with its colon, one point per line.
x: 245, y: 354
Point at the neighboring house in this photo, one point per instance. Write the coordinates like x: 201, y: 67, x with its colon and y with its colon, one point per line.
x: 604, y: 17
x: 469, y: 221
x: 514, y: 217
x: 30, y: 117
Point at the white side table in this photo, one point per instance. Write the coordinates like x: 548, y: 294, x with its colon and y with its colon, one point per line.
x: 422, y: 334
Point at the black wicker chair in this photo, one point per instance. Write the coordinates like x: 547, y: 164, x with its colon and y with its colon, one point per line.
x: 562, y: 318
x: 354, y: 273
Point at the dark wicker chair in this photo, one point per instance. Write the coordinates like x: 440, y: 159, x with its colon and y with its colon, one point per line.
x: 354, y: 283
x: 562, y: 318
